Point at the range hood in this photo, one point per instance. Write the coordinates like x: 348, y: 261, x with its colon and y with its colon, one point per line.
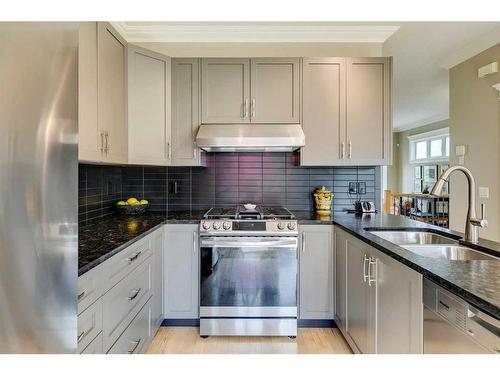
x: 250, y: 137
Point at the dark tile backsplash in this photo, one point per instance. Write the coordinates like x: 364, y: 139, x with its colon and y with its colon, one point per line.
x: 227, y: 179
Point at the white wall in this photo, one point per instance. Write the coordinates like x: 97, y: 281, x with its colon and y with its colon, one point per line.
x: 475, y: 122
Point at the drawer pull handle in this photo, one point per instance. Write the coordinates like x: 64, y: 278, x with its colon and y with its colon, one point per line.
x: 134, y: 348
x: 371, y: 275
x: 134, y: 257
x: 365, y: 274
x: 80, y: 336
x: 444, y: 305
x: 135, y: 293
x: 81, y: 295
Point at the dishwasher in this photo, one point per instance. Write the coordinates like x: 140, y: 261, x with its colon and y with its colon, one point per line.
x: 453, y: 326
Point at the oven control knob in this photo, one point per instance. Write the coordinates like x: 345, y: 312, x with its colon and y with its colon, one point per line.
x: 216, y: 226
x: 226, y: 225
x: 281, y: 225
x: 291, y: 226
x: 206, y: 225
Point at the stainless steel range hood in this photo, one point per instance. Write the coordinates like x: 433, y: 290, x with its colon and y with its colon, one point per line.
x: 250, y: 137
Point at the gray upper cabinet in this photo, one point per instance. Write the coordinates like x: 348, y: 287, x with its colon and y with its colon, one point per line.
x: 275, y: 90
x: 316, y: 269
x: 185, y: 111
x: 323, y: 120
x: 260, y: 90
x: 112, y: 92
x: 369, y: 111
x: 340, y: 279
x: 148, y: 107
x: 347, y: 111
x: 225, y: 91
x: 102, y: 124
x: 181, y: 271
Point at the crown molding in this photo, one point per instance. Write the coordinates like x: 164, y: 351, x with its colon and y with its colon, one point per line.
x: 206, y: 32
x: 472, y: 49
x: 423, y: 122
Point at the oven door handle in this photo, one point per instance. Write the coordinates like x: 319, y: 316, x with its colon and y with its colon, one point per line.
x: 289, y: 242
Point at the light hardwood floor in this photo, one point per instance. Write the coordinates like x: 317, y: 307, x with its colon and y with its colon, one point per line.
x: 180, y: 340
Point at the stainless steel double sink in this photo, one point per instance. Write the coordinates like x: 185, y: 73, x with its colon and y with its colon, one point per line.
x: 431, y: 245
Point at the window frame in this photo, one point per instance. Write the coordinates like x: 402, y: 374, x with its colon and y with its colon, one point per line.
x: 428, y: 137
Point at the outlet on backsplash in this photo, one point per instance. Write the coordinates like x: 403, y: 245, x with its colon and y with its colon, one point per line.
x: 173, y: 187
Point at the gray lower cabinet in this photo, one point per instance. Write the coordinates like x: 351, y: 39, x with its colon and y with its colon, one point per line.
x: 157, y: 244
x: 137, y: 335
x: 360, y: 297
x: 340, y: 279
x: 120, y: 302
x: 124, y: 300
x: 399, y: 307
x: 382, y: 299
x: 95, y: 347
x: 181, y: 271
x: 316, y: 270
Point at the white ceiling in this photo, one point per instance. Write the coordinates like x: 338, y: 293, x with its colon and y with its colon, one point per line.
x: 422, y: 51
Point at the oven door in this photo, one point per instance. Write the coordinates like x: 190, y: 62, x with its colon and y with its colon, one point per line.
x: 248, y: 276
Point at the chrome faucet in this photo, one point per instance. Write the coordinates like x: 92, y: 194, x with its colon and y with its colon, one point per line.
x: 472, y: 222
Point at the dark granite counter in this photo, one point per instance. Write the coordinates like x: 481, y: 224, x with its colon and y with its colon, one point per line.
x: 477, y: 282
x: 100, y: 239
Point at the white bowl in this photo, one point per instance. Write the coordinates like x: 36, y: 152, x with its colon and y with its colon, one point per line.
x: 249, y: 206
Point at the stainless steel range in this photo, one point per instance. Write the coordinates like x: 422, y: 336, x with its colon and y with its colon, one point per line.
x: 248, y: 278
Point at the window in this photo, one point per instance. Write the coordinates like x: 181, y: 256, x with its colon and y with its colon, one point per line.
x: 436, y: 148
x: 421, y: 150
x: 428, y: 147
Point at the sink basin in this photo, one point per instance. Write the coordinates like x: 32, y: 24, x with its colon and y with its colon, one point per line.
x: 450, y: 252
x: 414, y: 238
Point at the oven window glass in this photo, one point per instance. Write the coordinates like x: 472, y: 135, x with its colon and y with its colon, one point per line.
x: 232, y: 276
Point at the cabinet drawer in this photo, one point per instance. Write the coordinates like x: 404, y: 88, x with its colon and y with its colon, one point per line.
x: 137, y: 334
x: 89, y: 288
x: 89, y: 324
x: 120, y: 265
x: 124, y: 300
x: 95, y: 347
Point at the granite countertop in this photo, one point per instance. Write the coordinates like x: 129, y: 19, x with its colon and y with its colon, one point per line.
x: 477, y: 282
x: 100, y: 239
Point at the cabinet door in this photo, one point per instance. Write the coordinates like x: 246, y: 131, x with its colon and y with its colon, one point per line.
x: 89, y: 139
x: 324, y: 111
x: 275, y: 90
x: 181, y: 272
x: 148, y: 106
x: 340, y: 279
x: 369, y: 122
x: 225, y: 91
x: 359, y: 299
x: 185, y: 111
x: 111, y: 92
x: 316, y: 272
x: 399, y: 307
x: 157, y: 243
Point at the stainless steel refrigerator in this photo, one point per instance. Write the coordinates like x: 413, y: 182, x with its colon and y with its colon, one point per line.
x: 38, y: 187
